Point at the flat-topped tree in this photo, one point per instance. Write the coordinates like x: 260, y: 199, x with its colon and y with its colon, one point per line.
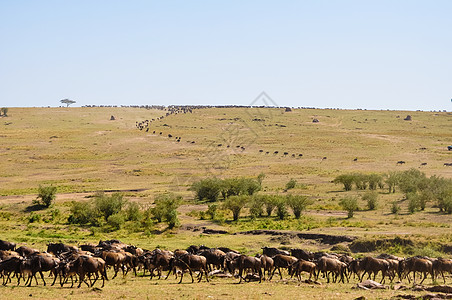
x: 67, y: 102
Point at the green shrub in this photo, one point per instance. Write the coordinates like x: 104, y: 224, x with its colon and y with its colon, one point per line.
x: 207, y: 189
x: 108, y: 205
x: 392, y: 180
x: 371, y: 198
x: 133, y: 212
x: 281, y: 207
x: 360, y: 180
x: 235, y: 204
x: 256, y: 207
x: 4, y: 111
x: 413, y: 202
x: 374, y: 181
x: 350, y: 204
x: 268, y: 201
x: 165, y: 208
x: 212, y: 210
x: 34, y: 217
x: 46, y: 195
x: 297, y: 203
x: 116, y: 221
x: 83, y: 213
x: 345, y: 179
x: 291, y: 184
x: 395, y: 208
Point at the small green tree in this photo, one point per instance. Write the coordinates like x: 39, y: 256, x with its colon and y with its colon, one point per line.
x: 108, y: 205
x: 269, y: 202
x: 395, y: 208
x: 212, y: 210
x: 281, y: 207
x: 350, y: 204
x: 207, y: 189
x: 165, y: 209
x: 371, y: 198
x: 297, y: 203
x: 235, y: 204
x: 361, y: 181
x: 392, y: 180
x: 291, y: 184
x: 256, y: 207
x: 46, y: 195
x: 374, y: 181
x: 345, y: 179
x: 67, y: 102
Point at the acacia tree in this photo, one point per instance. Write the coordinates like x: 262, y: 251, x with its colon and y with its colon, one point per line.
x: 67, y: 102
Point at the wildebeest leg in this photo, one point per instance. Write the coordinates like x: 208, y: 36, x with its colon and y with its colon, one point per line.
x: 182, y: 276
x: 54, y: 279
x: 171, y: 270
x: 42, y: 277
x: 279, y: 270
x: 425, y: 276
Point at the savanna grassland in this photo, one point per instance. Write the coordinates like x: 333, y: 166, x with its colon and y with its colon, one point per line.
x: 81, y: 151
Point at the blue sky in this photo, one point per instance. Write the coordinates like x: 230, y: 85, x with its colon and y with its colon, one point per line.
x: 348, y: 54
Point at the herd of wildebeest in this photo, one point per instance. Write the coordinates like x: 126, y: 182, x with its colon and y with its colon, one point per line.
x: 90, y: 262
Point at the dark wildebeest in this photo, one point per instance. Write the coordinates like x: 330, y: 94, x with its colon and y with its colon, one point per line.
x: 331, y: 265
x: 266, y: 264
x: 416, y: 264
x: 160, y: 260
x: 87, y: 265
x: 374, y: 265
x: 190, y: 262
x: 114, y: 259
x: 442, y: 265
x: 270, y: 251
x: 303, y: 266
x: 5, y: 245
x: 301, y: 254
x: 244, y: 262
x: 58, y: 248
x: 9, y: 266
x: 26, y: 251
x: 400, y: 162
x: 282, y: 261
x: 214, y: 257
x: 38, y: 263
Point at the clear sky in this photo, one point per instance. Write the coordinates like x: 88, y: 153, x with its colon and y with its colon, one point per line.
x: 379, y: 54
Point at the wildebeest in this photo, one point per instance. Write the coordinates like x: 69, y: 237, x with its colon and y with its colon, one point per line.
x: 302, y: 254
x: 282, y: 261
x: 267, y: 265
x: 270, y: 251
x: 214, y: 257
x: 26, y: 251
x: 58, y: 248
x: 8, y: 266
x: 245, y: 262
x: 329, y: 265
x: 449, y: 148
x: 374, y: 265
x: 190, y: 262
x: 38, y: 263
x: 5, y: 245
x: 400, y: 162
x: 442, y: 265
x: 303, y: 266
x: 87, y: 265
x: 415, y: 264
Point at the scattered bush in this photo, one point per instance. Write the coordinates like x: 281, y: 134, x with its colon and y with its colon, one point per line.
x: 281, y: 207
x: 291, y: 184
x: 256, y: 207
x: 106, y: 206
x: 165, y: 209
x: 133, y: 212
x: 297, y: 203
x: 372, y: 200
x: 207, y: 189
x: 345, y: 179
x: 46, y: 195
x: 212, y: 210
x: 395, y: 208
x: 116, y: 221
x: 235, y: 204
x: 350, y: 204
x: 4, y: 111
